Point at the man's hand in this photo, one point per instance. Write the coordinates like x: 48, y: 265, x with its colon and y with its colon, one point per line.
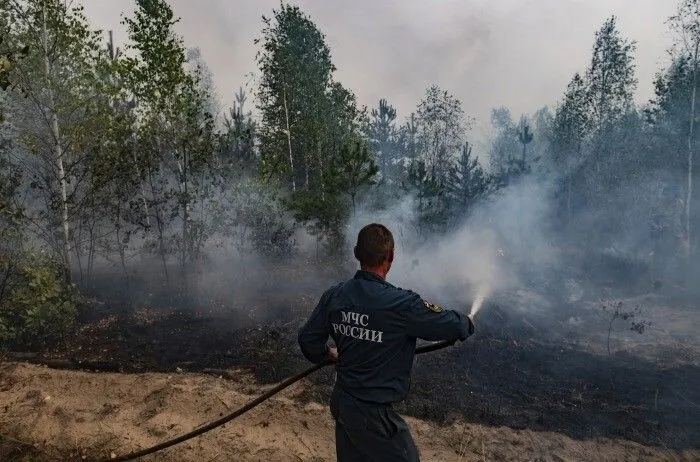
x: 333, y: 354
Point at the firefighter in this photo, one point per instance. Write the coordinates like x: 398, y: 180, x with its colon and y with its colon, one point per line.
x: 374, y: 326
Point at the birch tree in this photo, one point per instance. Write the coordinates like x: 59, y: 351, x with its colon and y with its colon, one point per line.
x: 56, y: 77
x: 686, y: 24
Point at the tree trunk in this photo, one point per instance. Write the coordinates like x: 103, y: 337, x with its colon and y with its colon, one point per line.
x: 691, y: 133
x: 289, y: 141
x: 58, y: 158
x: 144, y: 202
x: 161, y: 233
x: 182, y: 167
x: 120, y: 244
x: 569, y: 199
x: 320, y: 170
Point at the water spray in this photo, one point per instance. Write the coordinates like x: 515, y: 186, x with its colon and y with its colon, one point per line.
x: 482, y: 292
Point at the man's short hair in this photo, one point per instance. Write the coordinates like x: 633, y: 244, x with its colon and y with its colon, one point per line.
x: 375, y: 244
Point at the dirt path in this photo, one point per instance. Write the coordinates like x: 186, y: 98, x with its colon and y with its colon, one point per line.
x: 70, y: 415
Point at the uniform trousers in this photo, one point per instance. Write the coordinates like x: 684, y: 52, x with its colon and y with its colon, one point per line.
x: 367, y: 432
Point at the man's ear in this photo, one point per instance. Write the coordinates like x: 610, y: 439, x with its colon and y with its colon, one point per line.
x: 391, y: 256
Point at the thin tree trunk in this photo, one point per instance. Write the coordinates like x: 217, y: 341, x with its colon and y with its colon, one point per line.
x: 320, y: 170
x: 58, y: 158
x: 91, y: 249
x: 144, y: 202
x: 120, y: 244
x: 289, y: 141
x: 182, y: 166
x: 161, y: 234
x: 569, y: 199
x: 691, y: 132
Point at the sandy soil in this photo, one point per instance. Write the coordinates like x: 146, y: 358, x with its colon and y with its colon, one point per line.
x: 48, y: 414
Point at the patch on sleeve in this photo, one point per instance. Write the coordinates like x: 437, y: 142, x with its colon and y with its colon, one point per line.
x: 433, y: 307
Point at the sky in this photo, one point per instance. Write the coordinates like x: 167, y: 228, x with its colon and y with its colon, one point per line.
x: 489, y: 53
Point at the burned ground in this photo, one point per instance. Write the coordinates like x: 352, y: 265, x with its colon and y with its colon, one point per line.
x: 512, y: 373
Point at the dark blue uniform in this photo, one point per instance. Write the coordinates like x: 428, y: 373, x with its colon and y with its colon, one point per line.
x: 375, y: 326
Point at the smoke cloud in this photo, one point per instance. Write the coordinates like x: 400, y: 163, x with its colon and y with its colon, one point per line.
x: 502, y: 246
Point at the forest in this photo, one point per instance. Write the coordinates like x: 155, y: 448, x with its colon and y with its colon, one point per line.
x: 175, y: 240
x: 122, y: 162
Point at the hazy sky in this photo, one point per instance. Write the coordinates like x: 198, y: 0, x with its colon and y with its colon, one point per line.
x: 517, y: 53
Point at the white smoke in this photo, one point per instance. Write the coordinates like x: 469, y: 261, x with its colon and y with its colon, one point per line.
x: 485, y: 254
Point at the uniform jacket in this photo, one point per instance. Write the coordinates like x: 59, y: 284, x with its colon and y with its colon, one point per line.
x: 375, y: 326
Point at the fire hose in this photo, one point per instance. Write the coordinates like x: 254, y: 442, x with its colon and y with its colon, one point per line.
x: 260, y: 399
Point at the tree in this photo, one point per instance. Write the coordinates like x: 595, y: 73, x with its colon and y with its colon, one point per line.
x: 240, y: 134
x: 504, y: 147
x: 10, y: 216
x: 610, y: 86
x: 432, y: 205
x: 308, y: 119
x: 295, y: 66
x: 441, y: 127
x: 57, y: 77
x: 571, y: 127
x: 468, y: 182
x: 610, y: 77
x: 686, y: 23
x: 357, y: 170
x: 176, y: 156
x: 383, y: 136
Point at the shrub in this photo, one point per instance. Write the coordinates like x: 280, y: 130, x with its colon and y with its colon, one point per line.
x: 37, y: 308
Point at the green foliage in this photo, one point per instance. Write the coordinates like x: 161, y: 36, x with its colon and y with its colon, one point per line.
x: 38, y: 307
x: 325, y: 217
x: 293, y: 96
x: 441, y: 128
x: 432, y: 200
x: 384, y: 140
x: 238, y: 150
x: 312, y: 132
x: 468, y: 183
x: 252, y: 217
x: 8, y: 60
x: 571, y: 123
x: 356, y: 170
x: 610, y: 76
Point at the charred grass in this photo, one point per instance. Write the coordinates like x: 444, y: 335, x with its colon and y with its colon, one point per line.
x: 503, y: 376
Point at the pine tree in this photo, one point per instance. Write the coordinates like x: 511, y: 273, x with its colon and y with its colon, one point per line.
x: 468, y: 183
x: 383, y: 136
x: 239, y: 138
x: 357, y: 170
